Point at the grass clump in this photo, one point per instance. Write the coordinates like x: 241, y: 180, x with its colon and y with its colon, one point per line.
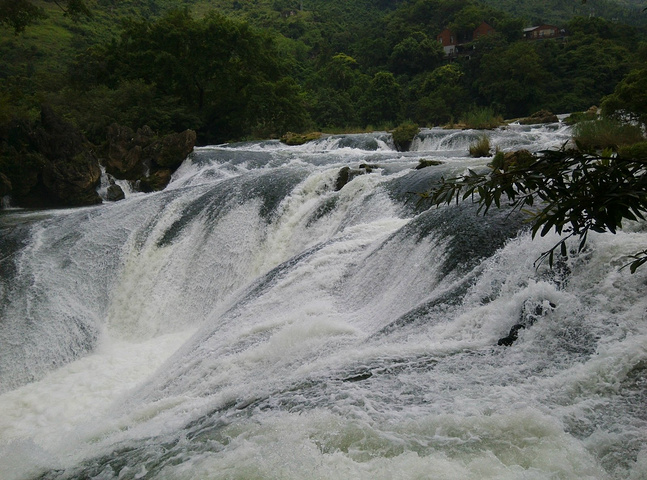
x: 481, y: 119
x: 480, y: 148
x: 606, y: 133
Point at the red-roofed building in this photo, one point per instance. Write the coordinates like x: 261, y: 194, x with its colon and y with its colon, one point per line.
x: 452, y: 42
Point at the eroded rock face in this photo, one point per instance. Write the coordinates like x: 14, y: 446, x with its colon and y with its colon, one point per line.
x: 144, y: 157
x: 73, y: 181
x: 50, y: 163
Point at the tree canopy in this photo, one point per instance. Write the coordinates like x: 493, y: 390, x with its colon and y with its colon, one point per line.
x: 19, y: 14
x: 307, y: 65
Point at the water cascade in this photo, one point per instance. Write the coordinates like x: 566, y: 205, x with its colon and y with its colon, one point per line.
x: 254, y: 321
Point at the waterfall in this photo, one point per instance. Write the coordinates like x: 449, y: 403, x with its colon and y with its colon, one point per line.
x: 253, y: 320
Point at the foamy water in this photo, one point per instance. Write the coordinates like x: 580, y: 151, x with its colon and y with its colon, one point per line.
x: 252, y: 322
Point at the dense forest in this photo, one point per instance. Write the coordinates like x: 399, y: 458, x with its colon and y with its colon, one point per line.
x: 233, y: 70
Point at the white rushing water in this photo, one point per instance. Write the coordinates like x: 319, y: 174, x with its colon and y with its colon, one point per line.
x: 253, y: 322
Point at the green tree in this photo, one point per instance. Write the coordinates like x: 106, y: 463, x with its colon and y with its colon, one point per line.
x: 629, y: 99
x: 19, y: 14
x: 416, y: 53
x: 513, y: 79
x: 214, y: 65
x: 381, y: 102
x: 441, y: 97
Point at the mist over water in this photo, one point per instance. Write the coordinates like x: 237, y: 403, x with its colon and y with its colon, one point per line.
x: 251, y: 321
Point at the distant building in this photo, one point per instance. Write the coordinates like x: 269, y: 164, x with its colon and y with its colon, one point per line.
x: 540, y: 32
x: 452, y: 42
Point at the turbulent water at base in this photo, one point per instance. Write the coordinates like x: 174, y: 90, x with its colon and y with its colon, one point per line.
x: 252, y: 322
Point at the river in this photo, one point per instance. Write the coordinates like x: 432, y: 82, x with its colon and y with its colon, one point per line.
x: 253, y: 321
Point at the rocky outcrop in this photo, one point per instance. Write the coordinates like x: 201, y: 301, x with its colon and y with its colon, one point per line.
x: 49, y: 163
x: 291, y: 138
x: 346, y: 174
x: 73, y: 181
x: 114, y: 193
x: 343, y: 177
x: 5, y: 185
x: 143, y: 157
x: 542, y: 116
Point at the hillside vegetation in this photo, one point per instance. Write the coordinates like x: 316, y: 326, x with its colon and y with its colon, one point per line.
x: 233, y: 70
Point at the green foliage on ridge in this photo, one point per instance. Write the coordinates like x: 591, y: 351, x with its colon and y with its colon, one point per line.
x: 324, y: 64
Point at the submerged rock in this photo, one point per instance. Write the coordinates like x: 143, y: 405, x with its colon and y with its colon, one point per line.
x: 512, y: 336
x: 530, y: 313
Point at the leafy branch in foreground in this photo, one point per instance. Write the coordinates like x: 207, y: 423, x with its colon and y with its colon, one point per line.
x: 571, y: 191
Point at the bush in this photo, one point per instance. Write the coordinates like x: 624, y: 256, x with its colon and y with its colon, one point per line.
x: 403, y: 135
x: 606, y: 133
x: 637, y: 151
x: 576, y: 117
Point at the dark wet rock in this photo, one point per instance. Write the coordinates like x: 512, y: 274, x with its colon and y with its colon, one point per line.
x: 347, y: 174
x: 172, y: 149
x: 530, y: 313
x: 73, y: 181
x: 122, y: 155
x: 424, y: 163
x: 512, y: 336
x: 368, y: 167
x: 115, y: 193
x: 156, y: 181
x: 343, y: 177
